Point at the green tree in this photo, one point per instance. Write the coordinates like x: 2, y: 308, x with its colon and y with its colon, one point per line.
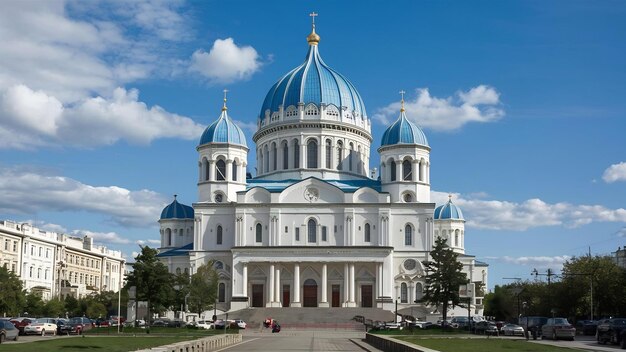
x: 54, y: 308
x: 443, y: 277
x: 502, y: 302
x: 34, y: 304
x: 71, y: 306
x: 12, y: 296
x: 153, y: 281
x: 203, y: 288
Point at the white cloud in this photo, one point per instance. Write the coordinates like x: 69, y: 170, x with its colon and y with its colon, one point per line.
x: 225, y: 62
x: 251, y: 127
x: 505, y: 215
x: 28, y: 116
x: 47, y: 226
x: 103, y: 237
x: 479, y: 104
x: 148, y: 242
x: 31, y: 191
x: 615, y: 172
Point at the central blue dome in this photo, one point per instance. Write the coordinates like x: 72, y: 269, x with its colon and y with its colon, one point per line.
x: 404, y: 131
x: 313, y: 82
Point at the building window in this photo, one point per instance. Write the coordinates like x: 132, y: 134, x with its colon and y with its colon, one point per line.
x: 351, y: 157
x: 329, y: 151
x: 335, y: 229
x: 178, y: 271
x: 407, y: 174
x: 296, y: 154
x: 312, y: 227
x: 285, y: 156
x: 220, y: 168
x: 6, y: 245
x: 274, y: 157
x: 219, y: 234
x: 234, y: 171
x: 14, y: 246
x: 39, y: 273
x: 367, y: 233
x: 267, y: 159
x: 408, y: 235
x: 286, y: 229
x: 259, y: 233
x: 297, y: 234
x: 403, y: 293
x: 324, y: 236
x: 339, y: 155
x: 392, y: 170
x: 40, y: 252
x: 311, y: 154
x: 222, y: 292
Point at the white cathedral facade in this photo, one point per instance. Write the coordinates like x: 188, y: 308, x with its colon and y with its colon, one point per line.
x: 314, y: 227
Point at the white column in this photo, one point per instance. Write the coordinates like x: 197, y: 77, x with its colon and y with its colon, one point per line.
x: 410, y: 294
x: 324, y: 302
x: 271, y: 233
x: 229, y: 170
x: 211, y: 170
x: 415, y: 170
x: 270, y: 296
x: 346, y: 283
x: 379, y: 278
x: 277, y: 289
x: 352, y: 283
x: 399, y: 170
x: 245, y: 280
x: 296, y: 286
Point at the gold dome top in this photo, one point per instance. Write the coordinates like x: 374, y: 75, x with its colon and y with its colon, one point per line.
x: 313, y: 38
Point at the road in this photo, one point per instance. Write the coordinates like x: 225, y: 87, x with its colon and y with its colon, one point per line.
x: 299, y: 340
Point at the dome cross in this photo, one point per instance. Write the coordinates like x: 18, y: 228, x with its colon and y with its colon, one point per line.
x: 224, y: 108
x: 313, y: 38
x: 402, y: 100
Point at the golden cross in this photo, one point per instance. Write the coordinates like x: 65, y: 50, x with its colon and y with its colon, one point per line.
x: 313, y: 15
x: 225, y: 91
x: 402, y: 100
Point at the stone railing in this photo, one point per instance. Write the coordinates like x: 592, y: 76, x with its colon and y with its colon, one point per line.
x: 210, y: 343
x: 388, y: 344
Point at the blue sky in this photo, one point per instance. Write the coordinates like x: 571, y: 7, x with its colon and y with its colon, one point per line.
x: 102, y: 106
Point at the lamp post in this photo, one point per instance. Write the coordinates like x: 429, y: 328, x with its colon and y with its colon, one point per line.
x: 396, y: 317
x: 525, y: 305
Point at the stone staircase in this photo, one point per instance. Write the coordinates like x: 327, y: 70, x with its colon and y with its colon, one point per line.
x: 311, y: 318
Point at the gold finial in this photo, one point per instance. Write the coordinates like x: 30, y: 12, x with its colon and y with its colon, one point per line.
x: 402, y: 101
x: 450, y: 197
x: 224, y: 108
x: 313, y: 38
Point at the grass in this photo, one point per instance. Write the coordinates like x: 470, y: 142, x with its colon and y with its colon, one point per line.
x: 481, y: 345
x: 94, y: 343
x: 158, y: 331
x: 420, y: 332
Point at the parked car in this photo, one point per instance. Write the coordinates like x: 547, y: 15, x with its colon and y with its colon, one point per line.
x: 421, y: 324
x: 512, y: 330
x: 486, y: 327
x: 612, y: 330
x: 8, y: 331
x: 41, y: 326
x: 60, y: 323
x: 219, y: 324
x: 556, y: 328
x: 240, y: 323
x: 532, y: 324
x: 391, y: 325
x: 586, y: 327
x: 77, y: 325
x: 20, y: 323
x: 102, y: 323
x: 205, y: 324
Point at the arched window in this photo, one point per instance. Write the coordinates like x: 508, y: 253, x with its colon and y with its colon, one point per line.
x: 218, y: 265
x: 312, y: 229
x: 408, y: 235
x: 296, y: 154
x: 359, y: 162
x: 351, y: 157
x: 222, y: 292
x: 407, y: 174
x: 367, y: 233
x: 259, y: 233
x: 456, y: 238
x: 403, y: 293
x: 418, y: 291
x: 220, y: 168
x: 274, y: 157
x: 329, y: 152
x: 219, y: 234
x: 392, y: 170
x: 339, y: 155
x: 178, y: 271
x: 266, y: 167
x: 234, y: 171
x: 421, y: 170
x: 311, y: 154
x: 168, y: 234
x: 207, y: 170
x: 260, y: 165
x: 285, y: 156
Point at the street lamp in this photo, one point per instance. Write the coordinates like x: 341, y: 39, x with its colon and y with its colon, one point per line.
x: 396, y: 317
x: 525, y: 305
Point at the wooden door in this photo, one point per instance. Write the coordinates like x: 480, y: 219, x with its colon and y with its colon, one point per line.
x: 309, y: 293
x: 366, y: 296
x: 336, y: 294
x: 286, y: 295
x: 257, y: 295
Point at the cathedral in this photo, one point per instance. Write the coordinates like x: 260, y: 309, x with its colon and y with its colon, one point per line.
x: 315, y: 226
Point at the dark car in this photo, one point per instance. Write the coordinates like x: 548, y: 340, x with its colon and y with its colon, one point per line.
x: 586, y: 327
x: 8, y: 331
x: 532, y: 324
x: 77, y: 325
x: 556, y: 328
x: 612, y: 330
x: 20, y: 323
x: 60, y: 323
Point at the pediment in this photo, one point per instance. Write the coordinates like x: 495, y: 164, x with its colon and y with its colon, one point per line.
x: 258, y: 195
x: 312, y: 191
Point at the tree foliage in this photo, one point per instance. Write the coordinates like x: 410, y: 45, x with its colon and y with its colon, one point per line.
x: 12, y: 296
x: 203, y: 288
x: 444, y: 276
x: 154, y: 283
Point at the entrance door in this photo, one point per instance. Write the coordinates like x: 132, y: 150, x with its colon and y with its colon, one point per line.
x: 257, y: 295
x: 286, y: 296
x: 366, y: 296
x: 310, y: 293
x: 336, y: 294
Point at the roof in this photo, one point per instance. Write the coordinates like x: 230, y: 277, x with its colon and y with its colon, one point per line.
x: 177, y: 210
x: 223, y: 130
x: 177, y: 252
x: 348, y: 186
x: 448, y: 211
x: 313, y: 82
x: 403, y: 131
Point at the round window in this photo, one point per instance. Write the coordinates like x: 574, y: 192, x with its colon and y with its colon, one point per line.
x: 219, y: 198
x: 408, y: 198
x: 410, y: 264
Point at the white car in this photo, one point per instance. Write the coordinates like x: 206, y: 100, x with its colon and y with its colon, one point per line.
x: 241, y: 324
x: 512, y: 330
x: 205, y: 324
x: 41, y: 327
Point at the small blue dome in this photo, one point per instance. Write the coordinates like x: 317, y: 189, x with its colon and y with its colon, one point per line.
x: 404, y: 131
x: 314, y: 82
x: 448, y: 211
x: 177, y: 211
x: 223, y: 130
